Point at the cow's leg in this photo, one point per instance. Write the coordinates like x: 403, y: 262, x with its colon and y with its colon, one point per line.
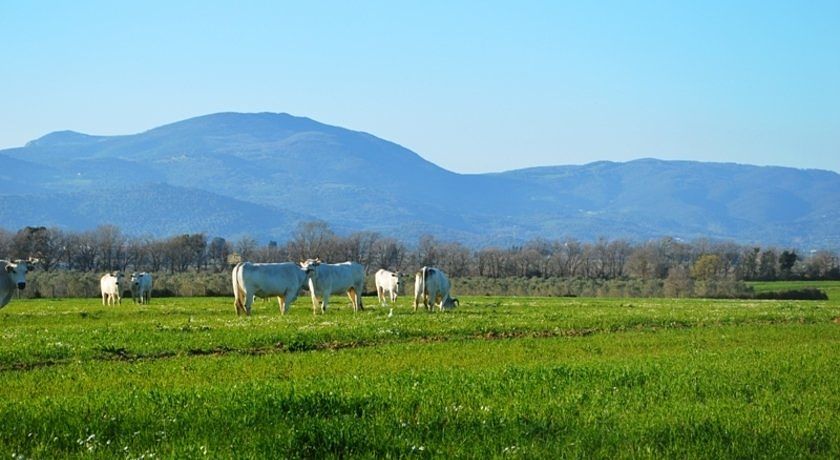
x: 393, y: 296
x: 103, y: 298
x: 326, y: 299
x: 352, y: 296
x: 249, y: 300
x: 280, y: 303
x: 380, y: 293
x: 237, y: 302
x: 289, y: 298
x: 314, y: 302
x: 355, y: 299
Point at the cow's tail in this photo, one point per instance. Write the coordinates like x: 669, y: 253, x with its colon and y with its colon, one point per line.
x: 238, y: 288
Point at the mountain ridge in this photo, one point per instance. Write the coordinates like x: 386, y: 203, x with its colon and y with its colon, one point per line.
x: 303, y: 169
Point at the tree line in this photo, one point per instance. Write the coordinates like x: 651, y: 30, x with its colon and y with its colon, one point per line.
x: 106, y: 248
x: 661, y: 262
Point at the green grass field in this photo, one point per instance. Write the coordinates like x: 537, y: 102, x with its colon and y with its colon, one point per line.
x: 498, y: 377
x: 831, y: 288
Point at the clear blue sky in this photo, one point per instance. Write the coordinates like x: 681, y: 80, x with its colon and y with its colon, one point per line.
x: 472, y: 86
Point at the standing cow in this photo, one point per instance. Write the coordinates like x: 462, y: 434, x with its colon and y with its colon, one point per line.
x: 283, y: 280
x: 12, y: 277
x: 141, y: 287
x: 327, y: 279
x: 111, y: 287
x: 432, y: 286
x: 387, y: 281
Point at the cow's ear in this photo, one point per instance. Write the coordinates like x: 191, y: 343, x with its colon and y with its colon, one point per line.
x: 9, y: 268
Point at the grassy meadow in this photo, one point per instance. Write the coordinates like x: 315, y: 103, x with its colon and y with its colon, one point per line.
x: 498, y: 377
x: 831, y: 288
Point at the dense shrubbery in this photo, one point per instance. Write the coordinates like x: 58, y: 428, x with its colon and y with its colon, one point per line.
x: 198, y: 284
x: 63, y: 283
x: 794, y: 294
x: 590, y: 287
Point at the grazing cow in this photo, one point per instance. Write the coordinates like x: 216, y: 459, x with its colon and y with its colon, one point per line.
x: 326, y: 279
x: 111, y: 285
x: 432, y: 286
x: 12, y: 277
x: 141, y: 287
x: 283, y: 280
x: 387, y: 281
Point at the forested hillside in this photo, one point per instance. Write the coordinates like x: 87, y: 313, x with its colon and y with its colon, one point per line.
x: 261, y: 174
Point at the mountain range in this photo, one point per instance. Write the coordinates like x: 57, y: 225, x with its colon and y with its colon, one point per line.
x: 260, y: 174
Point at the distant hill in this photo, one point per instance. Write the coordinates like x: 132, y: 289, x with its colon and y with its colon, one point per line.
x: 231, y: 174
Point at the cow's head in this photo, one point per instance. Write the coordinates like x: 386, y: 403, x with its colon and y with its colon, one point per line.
x: 309, y: 266
x: 17, y: 272
x: 119, y: 278
x: 450, y: 302
x: 135, y: 279
x: 396, y: 279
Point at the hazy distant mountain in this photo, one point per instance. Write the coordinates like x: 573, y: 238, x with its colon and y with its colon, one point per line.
x: 232, y: 174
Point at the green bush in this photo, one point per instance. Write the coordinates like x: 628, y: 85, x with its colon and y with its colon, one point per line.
x: 795, y: 294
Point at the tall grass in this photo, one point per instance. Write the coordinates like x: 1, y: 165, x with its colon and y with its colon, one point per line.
x: 498, y: 377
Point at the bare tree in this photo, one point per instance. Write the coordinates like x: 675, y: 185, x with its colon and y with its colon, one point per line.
x: 218, y: 252
x: 455, y: 259
x: 428, y: 250
x: 312, y: 239
x: 38, y: 242
x: 109, y: 241
x: 388, y: 253
x: 246, y: 247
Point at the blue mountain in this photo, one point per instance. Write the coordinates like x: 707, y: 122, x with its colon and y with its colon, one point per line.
x: 230, y: 174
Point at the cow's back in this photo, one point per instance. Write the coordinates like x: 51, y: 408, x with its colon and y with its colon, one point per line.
x: 146, y: 283
x: 337, y: 278
x: 108, y: 284
x: 271, y: 279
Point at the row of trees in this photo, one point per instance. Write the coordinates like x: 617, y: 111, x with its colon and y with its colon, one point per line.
x: 107, y: 248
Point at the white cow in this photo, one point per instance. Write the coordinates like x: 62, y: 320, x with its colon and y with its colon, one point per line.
x: 283, y: 280
x: 111, y: 285
x: 387, y: 281
x: 13, y: 277
x: 141, y: 287
x: 326, y: 279
x: 432, y: 286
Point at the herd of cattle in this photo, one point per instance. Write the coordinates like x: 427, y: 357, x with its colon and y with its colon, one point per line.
x: 286, y: 280
x: 282, y: 280
x: 112, y: 285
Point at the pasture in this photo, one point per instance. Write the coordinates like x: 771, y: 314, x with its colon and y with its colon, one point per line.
x: 831, y: 288
x: 498, y: 377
